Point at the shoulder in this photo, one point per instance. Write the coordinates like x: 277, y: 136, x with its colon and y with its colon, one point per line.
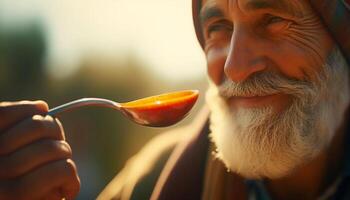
x: 140, y: 174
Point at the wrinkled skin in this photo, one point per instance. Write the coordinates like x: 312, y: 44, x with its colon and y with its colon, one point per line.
x: 35, y: 159
x: 244, y: 37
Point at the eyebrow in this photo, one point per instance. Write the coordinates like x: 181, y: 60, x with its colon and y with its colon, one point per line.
x: 280, y: 6
x: 260, y: 4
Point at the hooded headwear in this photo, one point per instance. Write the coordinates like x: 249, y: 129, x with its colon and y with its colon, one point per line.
x: 334, y: 13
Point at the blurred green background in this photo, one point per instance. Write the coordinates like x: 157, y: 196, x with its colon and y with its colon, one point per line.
x: 120, y: 50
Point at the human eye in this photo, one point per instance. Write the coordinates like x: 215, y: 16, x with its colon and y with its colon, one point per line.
x: 218, y: 29
x: 274, y: 19
x: 276, y: 23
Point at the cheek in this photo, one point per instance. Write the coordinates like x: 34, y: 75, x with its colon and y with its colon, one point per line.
x: 303, y: 51
x: 216, y: 58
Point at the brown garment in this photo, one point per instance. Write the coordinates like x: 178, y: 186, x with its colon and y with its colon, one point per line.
x: 220, y: 183
x: 153, y: 174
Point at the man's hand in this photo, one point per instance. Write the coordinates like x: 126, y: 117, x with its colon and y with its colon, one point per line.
x: 35, y: 159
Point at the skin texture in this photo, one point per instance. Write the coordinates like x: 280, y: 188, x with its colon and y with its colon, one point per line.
x: 35, y: 159
x: 245, y: 37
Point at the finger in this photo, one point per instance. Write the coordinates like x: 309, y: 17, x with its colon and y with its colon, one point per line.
x: 13, y: 112
x: 33, y: 156
x: 72, y: 183
x: 56, y: 175
x: 30, y: 130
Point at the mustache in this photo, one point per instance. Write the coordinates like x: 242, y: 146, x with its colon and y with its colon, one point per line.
x: 268, y: 83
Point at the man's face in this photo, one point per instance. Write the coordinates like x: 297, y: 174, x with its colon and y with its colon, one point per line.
x: 276, y: 76
x: 244, y: 37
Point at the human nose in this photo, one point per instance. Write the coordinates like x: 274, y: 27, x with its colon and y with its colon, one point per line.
x: 244, y: 57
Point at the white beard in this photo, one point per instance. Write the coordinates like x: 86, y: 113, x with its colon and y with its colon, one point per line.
x: 258, y: 142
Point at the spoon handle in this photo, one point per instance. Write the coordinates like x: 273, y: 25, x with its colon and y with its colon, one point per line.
x: 81, y: 103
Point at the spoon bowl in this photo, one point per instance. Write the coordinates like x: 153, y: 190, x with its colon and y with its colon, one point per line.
x: 155, y: 111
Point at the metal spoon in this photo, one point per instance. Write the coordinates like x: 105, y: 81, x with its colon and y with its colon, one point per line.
x: 156, y: 111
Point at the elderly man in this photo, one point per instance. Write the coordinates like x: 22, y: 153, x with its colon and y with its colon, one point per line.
x: 278, y: 98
